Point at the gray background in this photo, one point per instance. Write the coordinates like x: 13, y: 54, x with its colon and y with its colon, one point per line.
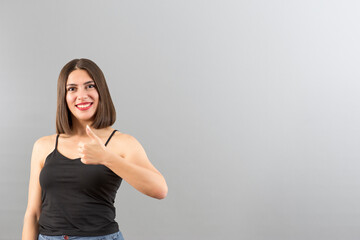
x: 250, y: 109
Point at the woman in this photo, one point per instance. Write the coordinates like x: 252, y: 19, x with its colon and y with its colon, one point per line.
x: 76, y: 173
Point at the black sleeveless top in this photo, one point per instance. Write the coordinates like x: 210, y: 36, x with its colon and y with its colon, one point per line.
x: 77, y: 199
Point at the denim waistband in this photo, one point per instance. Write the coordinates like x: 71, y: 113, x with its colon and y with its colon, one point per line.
x: 113, y: 236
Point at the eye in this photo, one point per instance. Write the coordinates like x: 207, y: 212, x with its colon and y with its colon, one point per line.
x: 91, y: 86
x: 70, y: 89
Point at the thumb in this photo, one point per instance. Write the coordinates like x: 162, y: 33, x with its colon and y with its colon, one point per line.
x: 91, y: 134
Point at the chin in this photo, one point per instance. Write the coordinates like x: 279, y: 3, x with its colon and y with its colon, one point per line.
x: 84, y: 118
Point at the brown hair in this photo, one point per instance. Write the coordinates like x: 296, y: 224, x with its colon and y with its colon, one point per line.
x: 105, y: 115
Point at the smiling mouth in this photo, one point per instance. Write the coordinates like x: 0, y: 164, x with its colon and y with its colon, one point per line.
x: 83, y: 106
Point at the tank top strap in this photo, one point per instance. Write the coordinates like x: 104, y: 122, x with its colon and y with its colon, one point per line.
x: 110, y: 137
x: 56, y: 142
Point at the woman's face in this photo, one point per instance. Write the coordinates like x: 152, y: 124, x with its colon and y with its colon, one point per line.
x: 82, y: 97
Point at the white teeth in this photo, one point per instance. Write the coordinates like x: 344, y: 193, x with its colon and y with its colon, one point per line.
x: 83, y: 105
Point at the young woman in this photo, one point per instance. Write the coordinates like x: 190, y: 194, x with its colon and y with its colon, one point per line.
x: 76, y: 173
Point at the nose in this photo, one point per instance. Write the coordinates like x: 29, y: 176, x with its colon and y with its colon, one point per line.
x: 82, y: 95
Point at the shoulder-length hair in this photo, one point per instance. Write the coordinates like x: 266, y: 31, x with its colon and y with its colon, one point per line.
x: 105, y: 114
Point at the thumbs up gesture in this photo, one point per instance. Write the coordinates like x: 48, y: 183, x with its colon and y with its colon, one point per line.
x: 93, y: 152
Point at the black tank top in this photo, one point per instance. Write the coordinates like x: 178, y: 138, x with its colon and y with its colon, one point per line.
x: 77, y: 199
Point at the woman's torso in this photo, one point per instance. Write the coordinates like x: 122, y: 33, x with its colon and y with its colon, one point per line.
x: 77, y: 199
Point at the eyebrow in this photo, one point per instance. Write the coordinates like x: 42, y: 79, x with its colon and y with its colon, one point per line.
x: 73, y: 84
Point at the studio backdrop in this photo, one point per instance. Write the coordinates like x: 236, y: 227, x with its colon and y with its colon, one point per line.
x: 250, y: 109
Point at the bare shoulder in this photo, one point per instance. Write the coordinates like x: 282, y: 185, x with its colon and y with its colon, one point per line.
x: 124, y: 138
x: 126, y: 142
x: 43, y: 147
x: 46, y: 141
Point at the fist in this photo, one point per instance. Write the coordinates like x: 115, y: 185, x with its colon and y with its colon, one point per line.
x: 93, y: 152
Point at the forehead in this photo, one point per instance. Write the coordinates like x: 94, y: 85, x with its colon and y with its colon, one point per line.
x: 78, y: 76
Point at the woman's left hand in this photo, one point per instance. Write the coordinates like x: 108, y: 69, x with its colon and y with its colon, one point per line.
x: 93, y: 152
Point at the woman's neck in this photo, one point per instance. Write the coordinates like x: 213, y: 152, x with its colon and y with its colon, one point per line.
x: 79, y: 127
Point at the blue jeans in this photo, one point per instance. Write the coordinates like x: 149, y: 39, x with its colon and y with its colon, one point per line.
x: 113, y: 236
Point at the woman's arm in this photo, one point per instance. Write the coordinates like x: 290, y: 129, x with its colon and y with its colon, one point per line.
x: 32, y: 214
x: 135, y: 168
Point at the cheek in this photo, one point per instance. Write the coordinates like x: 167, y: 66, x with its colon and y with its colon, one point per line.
x: 69, y: 100
x: 95, y: 97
